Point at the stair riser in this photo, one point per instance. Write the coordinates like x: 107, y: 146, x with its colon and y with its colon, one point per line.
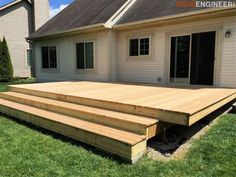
x: 114, y: 106
x: 123, y: 150
x: 92, y: 117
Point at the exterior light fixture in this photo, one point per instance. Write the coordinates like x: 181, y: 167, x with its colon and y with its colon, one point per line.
x: 227, y: 33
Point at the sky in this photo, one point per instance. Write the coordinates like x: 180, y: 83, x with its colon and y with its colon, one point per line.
x: 55, y: 5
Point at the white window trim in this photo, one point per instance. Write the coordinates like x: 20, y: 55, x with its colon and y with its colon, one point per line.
x: 186, y: 31
x: 94, y: 63
x: 49, y: 56
x: 26, y: 58
x: 139, y: 38
x: 50, y: 70
x: 189, y: 67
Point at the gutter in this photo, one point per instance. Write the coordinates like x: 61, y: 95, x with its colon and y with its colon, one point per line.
x: 121, y: 12
x: 170, y: 17
x: 84, y: 28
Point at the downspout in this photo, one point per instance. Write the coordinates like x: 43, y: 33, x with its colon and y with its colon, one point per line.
x: 33, y: 71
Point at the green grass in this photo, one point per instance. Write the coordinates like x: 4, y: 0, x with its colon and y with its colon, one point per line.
x: 3, y: 85
x: 30, y: 152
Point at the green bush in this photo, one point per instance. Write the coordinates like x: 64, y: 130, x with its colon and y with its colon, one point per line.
x: 6, y: 69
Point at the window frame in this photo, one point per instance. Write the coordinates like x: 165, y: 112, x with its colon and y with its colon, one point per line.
x: 139, y: 44
x: 49, y: 63
x: 76, y: 59
x: 27, y: 61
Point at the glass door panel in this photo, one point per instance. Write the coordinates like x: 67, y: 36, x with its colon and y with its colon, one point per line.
x: 180, y: 59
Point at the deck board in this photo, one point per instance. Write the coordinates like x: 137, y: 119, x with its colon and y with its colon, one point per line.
x: 188, y: 100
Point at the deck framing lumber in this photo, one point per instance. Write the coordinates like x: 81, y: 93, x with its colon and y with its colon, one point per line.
x: 128, y: 152
x: 136, y: 124
x: 156, y: 129
x: 177, y: 105
x: 196, y: 117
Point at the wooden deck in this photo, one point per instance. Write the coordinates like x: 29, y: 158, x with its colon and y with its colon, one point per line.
x: 116, y: 117
x: 179, y: 105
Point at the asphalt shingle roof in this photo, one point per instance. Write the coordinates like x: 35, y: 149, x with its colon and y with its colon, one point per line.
x: 79, y: 14
x: 83, y: 13
x: 147, y: 9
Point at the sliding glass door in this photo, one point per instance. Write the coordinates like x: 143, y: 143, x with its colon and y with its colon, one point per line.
x: 180, y: 59
x: 203, y: 58
x: 192, y: 58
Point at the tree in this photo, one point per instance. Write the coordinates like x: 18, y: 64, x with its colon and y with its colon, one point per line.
x: 6, y: 69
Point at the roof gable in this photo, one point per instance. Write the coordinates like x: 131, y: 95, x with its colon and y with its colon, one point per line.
x: 12, y: 4
x: 80, y: 13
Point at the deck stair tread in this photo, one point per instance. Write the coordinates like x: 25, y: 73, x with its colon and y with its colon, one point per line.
x: 113, y: 133
x: 146, y: 121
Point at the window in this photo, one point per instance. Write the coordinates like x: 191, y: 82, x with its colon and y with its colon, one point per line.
x: 139, y: 46
x: 29, y: 57
x: 49, y: 57
x: 85, y: 55
x: 144, y: 46
x: 134, y: 43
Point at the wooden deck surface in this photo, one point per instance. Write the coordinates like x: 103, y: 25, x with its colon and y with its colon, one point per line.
x: 188, y: 100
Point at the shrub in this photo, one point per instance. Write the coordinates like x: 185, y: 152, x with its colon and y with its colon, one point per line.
x: 6, y: 69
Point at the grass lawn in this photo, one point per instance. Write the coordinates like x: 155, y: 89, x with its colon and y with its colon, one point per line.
x: 26, y: 151
x: 3, y: 86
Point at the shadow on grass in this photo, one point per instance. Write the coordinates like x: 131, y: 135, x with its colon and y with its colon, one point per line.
x: 169, y: 142
x: 66, y: 139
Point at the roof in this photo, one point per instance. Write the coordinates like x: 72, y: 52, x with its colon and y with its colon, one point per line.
x: 12, y: 4
x: 147, y: 9
x: 79, y: 14
x: 88, y: 14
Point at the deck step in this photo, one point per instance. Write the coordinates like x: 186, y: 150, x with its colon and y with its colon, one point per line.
x: 103, y: 104
x: 129, y: 146
x: 133, y: 123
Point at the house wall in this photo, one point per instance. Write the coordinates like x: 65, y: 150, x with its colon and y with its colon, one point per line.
x: 228, y: 55
x: 66, y: 55
x: 155, y: 68
x: 16, y: 25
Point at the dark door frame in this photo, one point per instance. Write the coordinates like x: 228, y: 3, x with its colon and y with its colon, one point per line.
x: 215, y: 67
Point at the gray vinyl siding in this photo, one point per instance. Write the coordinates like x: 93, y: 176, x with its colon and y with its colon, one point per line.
x: 142, y: 69
x: 228, y: 61
x: 155, y: 69
x: 114, y: 64
x: 66, y: 55
x: 16, y: 24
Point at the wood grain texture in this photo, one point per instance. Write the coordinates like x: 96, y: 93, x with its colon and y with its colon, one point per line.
x: 166, y: 103
x: 127, y: 145
x: 132, y: 123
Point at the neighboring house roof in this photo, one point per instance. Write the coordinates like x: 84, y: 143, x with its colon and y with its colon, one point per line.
x: 12, y: 4
x: 79, y: 14
x: 147, y: 9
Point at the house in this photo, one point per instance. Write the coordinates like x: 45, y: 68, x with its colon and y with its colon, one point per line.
x: 181, y: 44
x: 18, y: 20
x: 139, y: 41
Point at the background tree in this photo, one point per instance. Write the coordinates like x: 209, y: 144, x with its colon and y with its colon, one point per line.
x: 6, y: 69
